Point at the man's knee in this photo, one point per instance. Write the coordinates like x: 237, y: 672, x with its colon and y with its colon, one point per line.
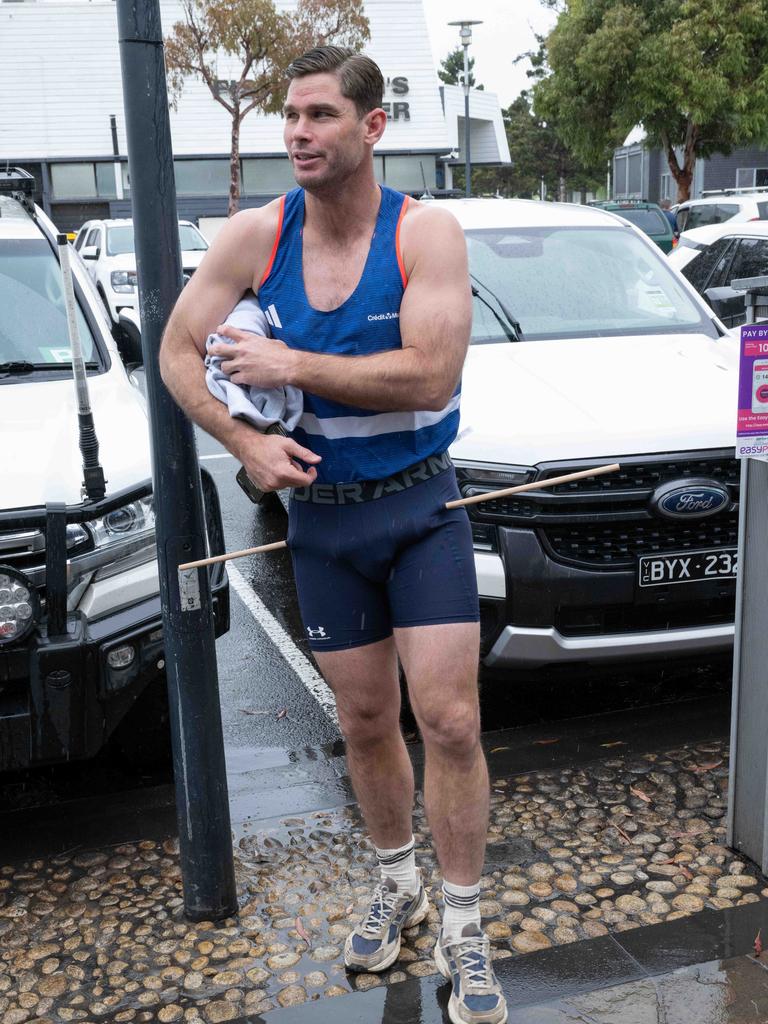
x: 454, y: 729
x: 364, y: 726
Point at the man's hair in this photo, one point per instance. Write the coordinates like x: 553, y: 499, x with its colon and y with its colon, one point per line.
x: 665, y: 204
x: 360, y: 78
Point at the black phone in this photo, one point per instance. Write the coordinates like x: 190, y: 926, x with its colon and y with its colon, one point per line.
x: 254, y: 493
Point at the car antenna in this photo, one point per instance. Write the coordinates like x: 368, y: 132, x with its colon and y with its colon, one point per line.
x: 426, y: 193
x: 94, y: 485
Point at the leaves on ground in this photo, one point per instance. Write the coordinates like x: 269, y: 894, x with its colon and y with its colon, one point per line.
x: 545, y: 743
x: 614, y: 743
x: 640, y: 794
x: 758, y: 943
x: 302, y: 931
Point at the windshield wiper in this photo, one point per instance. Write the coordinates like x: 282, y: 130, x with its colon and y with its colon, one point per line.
x: 18, y: 366
x: 509, y: 324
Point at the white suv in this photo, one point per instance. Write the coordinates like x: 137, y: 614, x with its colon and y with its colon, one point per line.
x: 730, y: 205
x: 589, y: 348
x: 81, y: 633
x: 107, y: 246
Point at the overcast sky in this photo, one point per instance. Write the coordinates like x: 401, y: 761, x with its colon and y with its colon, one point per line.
x: 508, y: 29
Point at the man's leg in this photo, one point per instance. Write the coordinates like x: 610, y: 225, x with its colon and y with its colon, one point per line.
x: 365, y: 682
x: 440, y: 665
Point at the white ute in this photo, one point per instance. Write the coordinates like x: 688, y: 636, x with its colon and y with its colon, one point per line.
x: 588, y: 348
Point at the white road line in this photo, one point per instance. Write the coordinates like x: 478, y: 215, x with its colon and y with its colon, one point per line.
x: 221, y: 455
x: 301, y: 665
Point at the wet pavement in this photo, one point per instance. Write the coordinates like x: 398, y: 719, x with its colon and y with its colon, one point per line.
x: 605, y: 866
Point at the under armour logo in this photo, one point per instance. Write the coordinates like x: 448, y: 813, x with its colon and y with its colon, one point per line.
x: 271, y: 314
x: 317, y: 634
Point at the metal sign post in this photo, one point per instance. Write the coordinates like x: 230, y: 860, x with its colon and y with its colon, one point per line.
x: 748, y: 782
x: 202, y: 805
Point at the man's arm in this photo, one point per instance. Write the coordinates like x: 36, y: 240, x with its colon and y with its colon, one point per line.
x: 237, y: 257
x: 435, y: 325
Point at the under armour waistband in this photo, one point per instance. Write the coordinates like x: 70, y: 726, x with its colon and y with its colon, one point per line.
x: 370, y: 490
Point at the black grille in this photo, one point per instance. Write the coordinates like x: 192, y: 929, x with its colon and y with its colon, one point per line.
x: 605, y: 522
x: 618, y: 544
x: 629, y: 618
x: 647, y: 476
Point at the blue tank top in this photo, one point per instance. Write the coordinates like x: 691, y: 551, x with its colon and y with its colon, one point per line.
x: 355, y: 444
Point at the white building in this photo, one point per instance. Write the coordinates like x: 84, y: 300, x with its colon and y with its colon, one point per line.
x: 60, y: 86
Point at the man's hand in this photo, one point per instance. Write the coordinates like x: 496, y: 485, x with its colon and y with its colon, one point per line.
x: 269, y: 460
x: 253, y: 359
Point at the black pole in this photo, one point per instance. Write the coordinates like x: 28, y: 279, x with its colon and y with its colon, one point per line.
x: 113, y: 130
x: 202, y: 805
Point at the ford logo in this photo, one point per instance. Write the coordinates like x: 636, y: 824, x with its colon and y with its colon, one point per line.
x: 690, y: 499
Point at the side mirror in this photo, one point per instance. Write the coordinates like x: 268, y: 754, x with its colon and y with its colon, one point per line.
x: 718, y: 298
x: 90, y: 252
x: 129, y: 339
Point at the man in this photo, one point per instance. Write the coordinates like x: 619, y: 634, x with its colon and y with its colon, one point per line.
x: 669, y: 213
x: 370, y: 300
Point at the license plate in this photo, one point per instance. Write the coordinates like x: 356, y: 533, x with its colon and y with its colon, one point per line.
x: 686, y: 567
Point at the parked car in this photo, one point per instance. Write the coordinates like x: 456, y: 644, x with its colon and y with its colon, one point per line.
x: 108, y: 248
x: 81, y: 637
x: 589, y: 348
x: 712, y: 258
x: 732, y: 205
x: 649, y: 217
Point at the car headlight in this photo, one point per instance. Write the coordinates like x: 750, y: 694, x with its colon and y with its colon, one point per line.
x: 480, y: 478
x: 123, y: 280
x: 491, y: 476
x: 18, y: 605
x: 123, y: 537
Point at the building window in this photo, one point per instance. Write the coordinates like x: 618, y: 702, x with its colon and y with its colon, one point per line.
x: 267, y: 176
x: 73, y: 181
x: 409, y: 173
x: 201, y: 177
x: 105, y: 181
x: 752, y: 177
x: 665, y: 190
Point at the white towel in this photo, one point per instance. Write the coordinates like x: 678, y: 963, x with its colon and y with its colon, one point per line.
x: 262, y: 407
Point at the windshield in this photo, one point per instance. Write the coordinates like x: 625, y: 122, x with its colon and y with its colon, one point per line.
x: 572, y: 282
x: 650, y: 221
x: 33, y: 320
x: 120, y: 239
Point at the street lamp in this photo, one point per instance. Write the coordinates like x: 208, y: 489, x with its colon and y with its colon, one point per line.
x: 465, y: 32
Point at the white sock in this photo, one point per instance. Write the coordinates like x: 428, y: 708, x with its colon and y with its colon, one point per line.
x: 400, y: 866
x: 461, y: 906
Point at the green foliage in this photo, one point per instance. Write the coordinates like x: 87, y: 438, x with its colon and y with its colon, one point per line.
x: 451, y: 70
x: 537, y: 152
x: 263, y: 41
x: 691, y: 72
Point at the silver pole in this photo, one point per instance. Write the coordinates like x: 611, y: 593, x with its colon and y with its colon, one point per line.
x: 467, y: 157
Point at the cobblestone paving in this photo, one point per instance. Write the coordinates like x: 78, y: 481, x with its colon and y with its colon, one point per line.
x: 573, y: 853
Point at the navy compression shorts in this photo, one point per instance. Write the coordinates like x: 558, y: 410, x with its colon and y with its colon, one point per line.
x: 378, y: 555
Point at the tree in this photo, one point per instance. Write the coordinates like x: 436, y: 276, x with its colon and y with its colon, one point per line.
x: 451, y: 70
x: 537, y: 152
x: 691, y: 72
x: 263, y: 41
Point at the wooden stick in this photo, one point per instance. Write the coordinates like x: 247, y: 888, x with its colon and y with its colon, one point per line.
x: 536, y: 485
x: 275, y: 546
x: 474, y: 500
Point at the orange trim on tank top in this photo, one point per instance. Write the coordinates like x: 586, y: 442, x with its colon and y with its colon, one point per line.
x: 400, y: 263
x: 275, y: 244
